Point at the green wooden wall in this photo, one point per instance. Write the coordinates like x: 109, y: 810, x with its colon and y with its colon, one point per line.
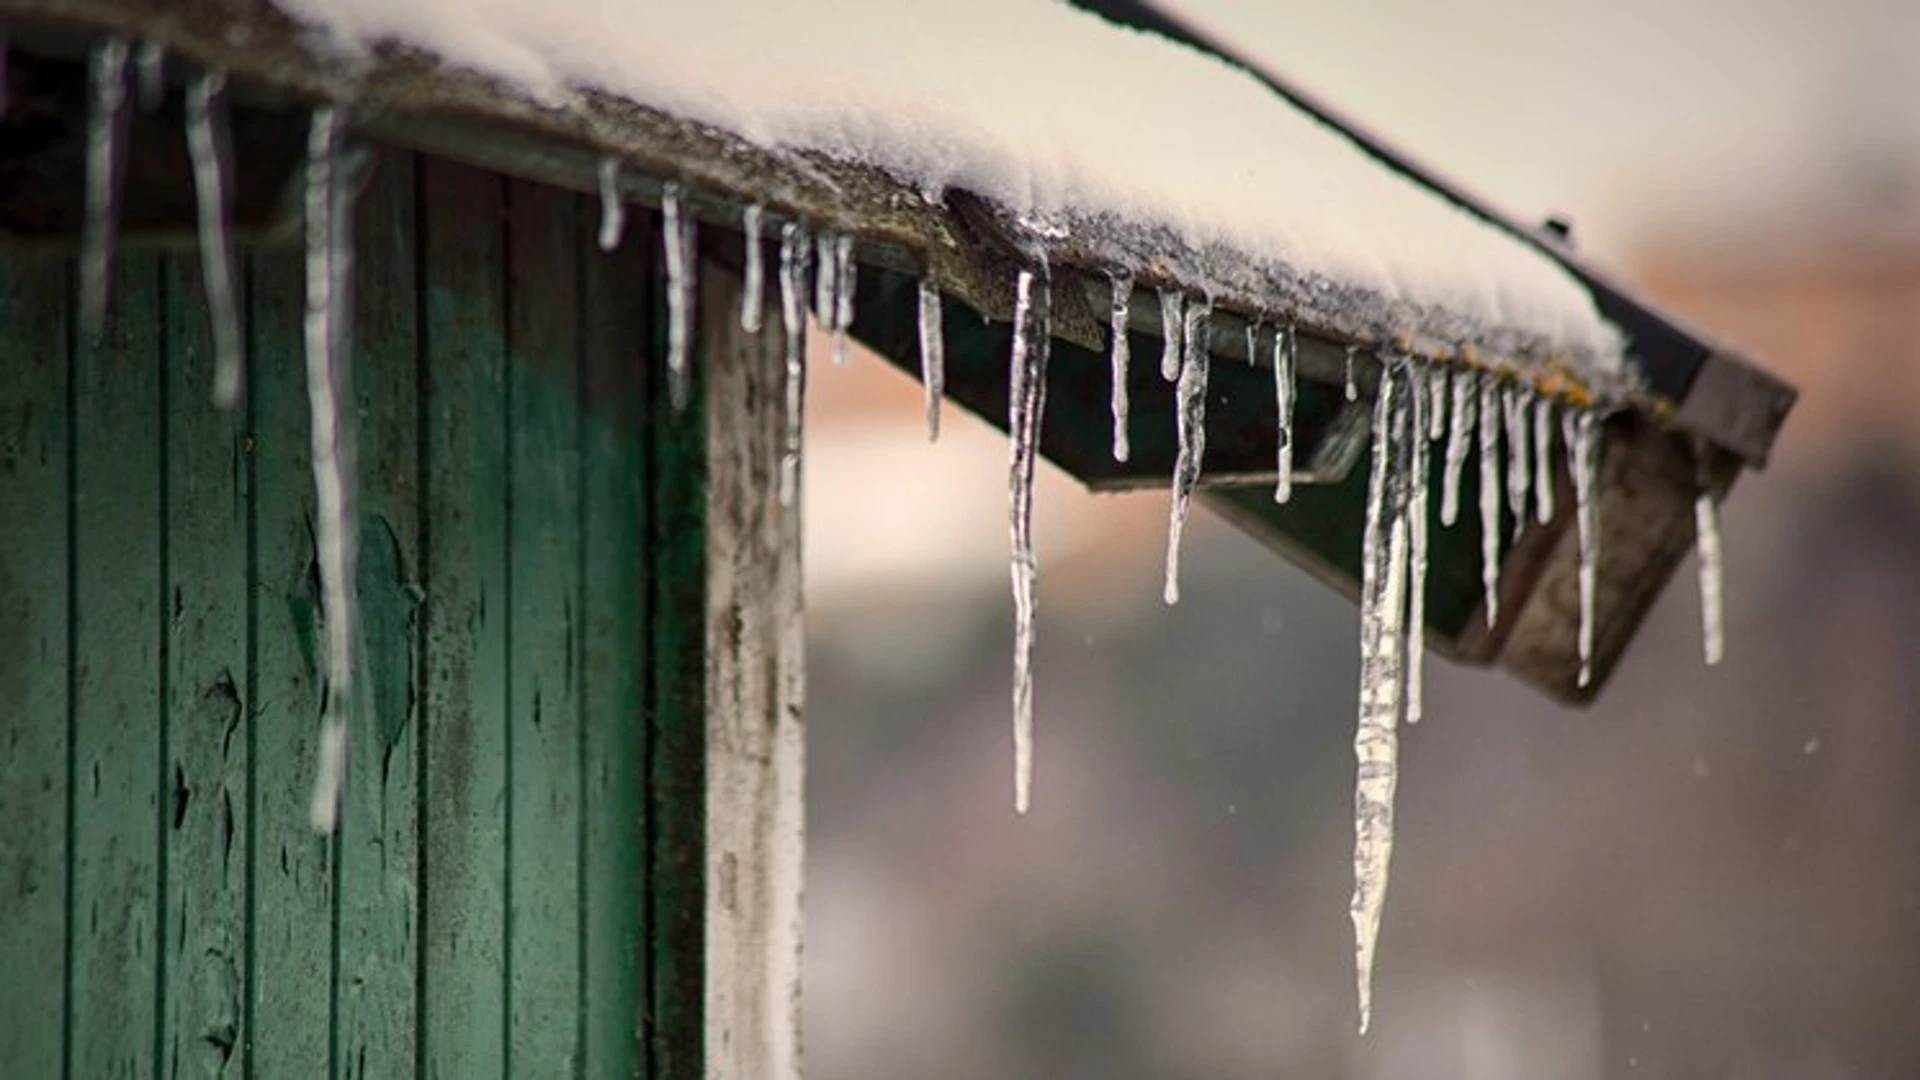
x: 516, y: 885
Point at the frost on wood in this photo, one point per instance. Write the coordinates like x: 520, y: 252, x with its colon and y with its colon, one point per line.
x: 1118, y: 361
x: 794, y: 245
x: 205, y: 146
x: 613, y: 212
x: 1285, y: 354
x: 1706, y: 529
x: 106, y: 145
x: 328, y: 255
x: 1190, y: 417
x: 678, y: 238
x: 753, y: 291
x: 1026, y: 405
x: 933, y: 356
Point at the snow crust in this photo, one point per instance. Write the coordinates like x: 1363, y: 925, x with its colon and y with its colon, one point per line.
x: 1050, y: 111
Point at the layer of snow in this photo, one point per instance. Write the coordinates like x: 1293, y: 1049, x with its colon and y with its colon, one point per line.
x: 1048, y: 110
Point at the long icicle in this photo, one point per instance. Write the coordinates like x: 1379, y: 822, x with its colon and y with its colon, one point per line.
x: 1285, y: 355
x: 1026, y: 402
x: 1376, y: 742
x: 933, y: 355
x: 1421, y: 383
x: 1581, y: 432
x: 1190, y: 418
x: 1709, y: 553
x: 1119, y: 360
x: 106, y: 141
x: 1172, y: 308
x: 1490, y: 495
x: 613, y: 212
x: 1459, y: 440
x: 1436, y: 380
x: 1543, y: 429
x: 844, y: 269
x: 204, y: 146
x: 679, y: 241
x: 794, y: 245
x: 1519, y: 471
x: 331, y: 434
x: 753, y: 290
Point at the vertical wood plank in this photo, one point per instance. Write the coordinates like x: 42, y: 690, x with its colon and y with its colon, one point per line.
x: 616, y: 297
x: 291, y: 869
x: 677, y: 709
x: 467, y: 645
x: 34, y: 614
x: 543, y: 387
x: 377, y: 1027
x: 755, y: 646
x: 205, y: 778
x: 118, y: 720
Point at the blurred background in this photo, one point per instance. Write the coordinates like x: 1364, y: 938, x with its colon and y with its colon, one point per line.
x: 1709, y: 874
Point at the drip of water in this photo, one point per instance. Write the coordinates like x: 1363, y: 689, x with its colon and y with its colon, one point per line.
x: 1190, y: 418
x: 613, y: 212
x: 1543, y: 428
x: 1460, y: 421
x: 328, y: 253
x: 1285, y: 357
x: 1026, y: 404
x: 1121, y: 356
x: 106, y: 140
x: 794, y: 245
x: 678, y: 238
x: 204, y: 143
x: 933, y: 356
x: 1490, y: 495
x: 753, y: 291
x: 1172, y: 306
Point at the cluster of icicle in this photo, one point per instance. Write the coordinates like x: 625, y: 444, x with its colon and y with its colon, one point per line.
x: 1416, y: 405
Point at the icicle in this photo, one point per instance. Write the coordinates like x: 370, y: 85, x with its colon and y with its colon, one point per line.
x: 1581, y: 433
x: 106, y: 137
x: 1026, y: 402
x: 1190, y: 417
x: 678, y: 238
x: 1490, y: 494
x: 328, y: 253
x: 1285, y: 353
x: 933, y: 355
x: 1121, y: 355
x: 1376, y: 742
x: 150, y: 74
x: 1253, y: 344
x: 1353, y: 385
x: 1706, y: 529
x: 1422, y: 382
x: 613, y: 212
x: 753, y: 291
x: 1519, y: 473
x: 1543, y: 459
x: 216, y: 250
x: 1172, y: 305
x: 843, y: 271
x: 1436, y: 380
x: 1459, y: 438
x: 794, y: 245
x: 825, y: 296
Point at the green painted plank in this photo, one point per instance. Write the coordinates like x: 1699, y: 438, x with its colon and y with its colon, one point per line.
x: 378, y: 912
x: 677, y: 650
x: 467, y: 645
x: 118, y: 722
x: 543, y: 753
x: 613, y: 528
x: 205, y: 780
x: 34, y: 582
x: 292, y: 870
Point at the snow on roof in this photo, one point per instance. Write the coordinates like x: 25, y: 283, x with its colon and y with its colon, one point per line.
x: 1052, y: 113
